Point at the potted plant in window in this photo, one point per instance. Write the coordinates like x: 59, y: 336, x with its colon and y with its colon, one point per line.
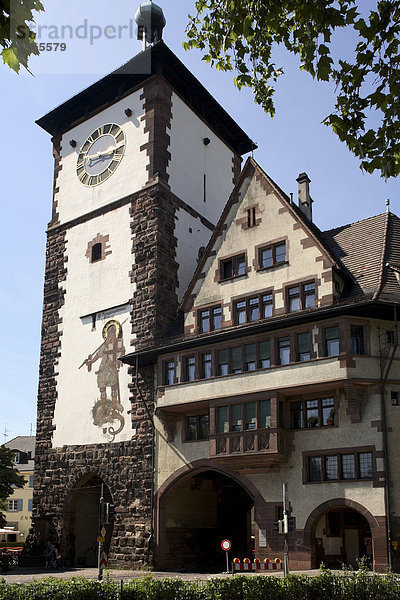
x: 331, y: 418
x: 312, y: 421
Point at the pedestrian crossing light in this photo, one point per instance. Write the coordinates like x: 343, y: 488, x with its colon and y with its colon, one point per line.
x: 278, y: 526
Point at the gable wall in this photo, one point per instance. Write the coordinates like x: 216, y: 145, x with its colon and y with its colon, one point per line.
x: 275, y: 222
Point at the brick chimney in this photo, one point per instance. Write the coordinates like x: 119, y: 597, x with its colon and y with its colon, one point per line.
x: 305, y: 200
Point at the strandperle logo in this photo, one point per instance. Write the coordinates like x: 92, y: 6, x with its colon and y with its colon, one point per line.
x: 84, y: 31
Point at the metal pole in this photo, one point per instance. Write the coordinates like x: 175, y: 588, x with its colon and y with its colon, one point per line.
x: 285, y: 502
x: 100, y: 548
x: 227, y: 562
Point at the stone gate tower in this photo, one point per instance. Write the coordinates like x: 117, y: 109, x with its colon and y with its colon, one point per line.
x: 144, y: 161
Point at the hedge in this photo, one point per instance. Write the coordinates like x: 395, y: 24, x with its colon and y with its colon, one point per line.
x: 346, y: 586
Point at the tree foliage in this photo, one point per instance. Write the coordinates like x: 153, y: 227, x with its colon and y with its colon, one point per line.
x: 15, y: 16
x: 9, y: 478
x: 241, y: 35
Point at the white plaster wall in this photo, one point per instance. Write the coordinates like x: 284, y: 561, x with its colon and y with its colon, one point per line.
x: 191, y: 160
x: 304, y: 497
x: 191, y: 235
x: 92, y: 288
x: 75, y: 199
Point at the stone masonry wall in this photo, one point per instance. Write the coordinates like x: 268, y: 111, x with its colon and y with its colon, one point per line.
x: 126, y: 467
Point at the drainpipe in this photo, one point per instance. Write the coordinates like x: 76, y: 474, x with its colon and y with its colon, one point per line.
x: 153, y: 432
x: 385, y: 370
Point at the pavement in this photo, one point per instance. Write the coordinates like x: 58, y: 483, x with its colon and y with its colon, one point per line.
x: 24, y: 575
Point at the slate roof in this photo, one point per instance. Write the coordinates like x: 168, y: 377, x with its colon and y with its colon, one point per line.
x: 155, y: 60
x: 25, y: 444
x: 365, y: 248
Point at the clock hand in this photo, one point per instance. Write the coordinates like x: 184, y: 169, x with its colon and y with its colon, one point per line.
x: 106, y: 152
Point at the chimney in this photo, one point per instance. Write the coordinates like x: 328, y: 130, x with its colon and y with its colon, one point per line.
x: 305, y: 200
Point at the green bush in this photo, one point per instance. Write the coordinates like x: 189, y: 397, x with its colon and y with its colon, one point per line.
x: 361, y: 585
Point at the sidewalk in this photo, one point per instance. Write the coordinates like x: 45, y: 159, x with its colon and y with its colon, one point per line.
x: 21, y: 575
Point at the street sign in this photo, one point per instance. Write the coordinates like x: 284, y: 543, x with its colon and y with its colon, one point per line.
x: 103, y: 532
x: 103, y: 560
x: 101, y: 539
x: 226, y: 545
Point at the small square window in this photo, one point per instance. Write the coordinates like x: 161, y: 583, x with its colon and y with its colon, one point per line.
x: 210, y: 319
x: 233, y: 267
x: 301, y: 297
x: 272, y: 255
x: 394, y: 396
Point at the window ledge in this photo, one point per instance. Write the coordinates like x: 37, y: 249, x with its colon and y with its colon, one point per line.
x: 272, y: 267
x: 233, y: 278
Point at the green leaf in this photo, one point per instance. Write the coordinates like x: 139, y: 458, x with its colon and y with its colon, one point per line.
x: 10, y: 58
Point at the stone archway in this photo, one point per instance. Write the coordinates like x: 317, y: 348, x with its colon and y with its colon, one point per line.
x: 198, y: 507
x: 341, y: 530
x: 81, y: 522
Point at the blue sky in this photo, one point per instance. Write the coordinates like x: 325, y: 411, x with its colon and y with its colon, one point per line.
x: 293, y: 142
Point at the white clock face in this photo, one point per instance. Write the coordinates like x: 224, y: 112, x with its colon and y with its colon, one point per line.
x: 101, y: 154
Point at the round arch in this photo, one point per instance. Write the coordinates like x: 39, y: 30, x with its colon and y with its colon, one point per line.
x: 80, y: 527
x: 230, y: 498
x: 376, y: 526
x: 198, y: 466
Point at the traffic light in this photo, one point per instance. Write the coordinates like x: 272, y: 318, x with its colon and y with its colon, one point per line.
x: 291, y: 523
x: 110, y: 512
x: 278, y: 526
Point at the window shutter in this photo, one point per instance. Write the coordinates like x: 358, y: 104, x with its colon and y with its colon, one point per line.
x: 30, y: 502
x: 264, y: 350
x: 250, y: 353
x: 222, y: 357
x: 303, y: 342
x: 237, y: 358
x: 331, y: 333
x: 30, y: 480
x: 19, y: 504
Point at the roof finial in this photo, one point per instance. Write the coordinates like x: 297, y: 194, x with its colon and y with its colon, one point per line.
x: 151, y: 22
x: 387, y: 204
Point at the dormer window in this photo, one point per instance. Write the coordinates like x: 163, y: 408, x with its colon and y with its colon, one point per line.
x: 17, y: 457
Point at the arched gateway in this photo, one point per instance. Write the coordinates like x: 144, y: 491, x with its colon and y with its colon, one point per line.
x: 81, y: 522
x: 197, y: 509
x: 343, y: 532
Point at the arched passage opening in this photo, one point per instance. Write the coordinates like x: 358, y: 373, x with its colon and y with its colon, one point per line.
x: 196, y: 515
x: 81, y: 522
x: 341, y: 535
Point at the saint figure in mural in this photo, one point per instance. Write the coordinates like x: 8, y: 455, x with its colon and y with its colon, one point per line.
x: 107, y: 411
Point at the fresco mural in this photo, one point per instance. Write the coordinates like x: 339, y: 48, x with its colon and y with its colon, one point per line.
x: 107, y: 410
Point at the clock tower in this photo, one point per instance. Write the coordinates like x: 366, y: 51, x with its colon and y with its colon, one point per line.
x: 144, y: 161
